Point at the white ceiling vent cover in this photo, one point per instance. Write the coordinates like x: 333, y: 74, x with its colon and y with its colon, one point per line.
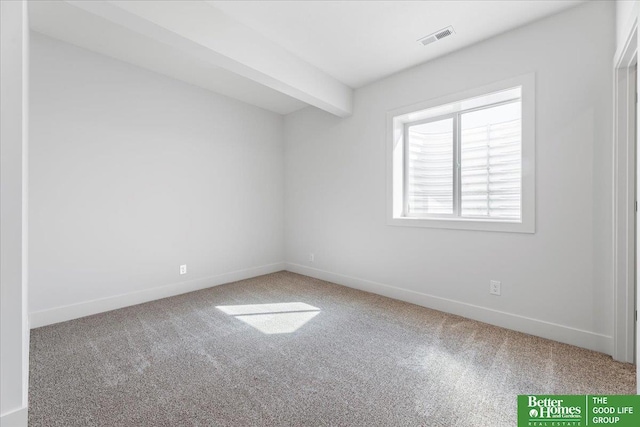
x: 440, y: 34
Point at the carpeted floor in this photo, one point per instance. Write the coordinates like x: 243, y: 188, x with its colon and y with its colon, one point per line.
x: 288, y: 350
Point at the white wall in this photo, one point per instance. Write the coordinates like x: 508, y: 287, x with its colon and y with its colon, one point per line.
x: 133, y: 174
x: 14, y: 334
x: 626, y: 11
x: 555, y: 283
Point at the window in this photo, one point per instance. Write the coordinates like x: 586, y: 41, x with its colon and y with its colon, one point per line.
x: 465, y: 161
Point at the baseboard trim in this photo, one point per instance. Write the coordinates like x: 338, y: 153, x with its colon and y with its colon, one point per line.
x: 541, y: 328
x: 74, y: 311
x: 16, y: 418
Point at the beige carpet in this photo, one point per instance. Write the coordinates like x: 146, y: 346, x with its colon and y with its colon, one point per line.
x: 288, y: 350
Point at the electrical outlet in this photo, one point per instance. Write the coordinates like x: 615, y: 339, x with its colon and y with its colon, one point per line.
x: 494, y: 287
x: 312, y: 257
x: 183, y: 269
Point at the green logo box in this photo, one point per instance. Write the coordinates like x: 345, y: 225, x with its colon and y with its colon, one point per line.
x: 538, y: 410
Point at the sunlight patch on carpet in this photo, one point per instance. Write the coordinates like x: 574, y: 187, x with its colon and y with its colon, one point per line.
x: 275, y: 318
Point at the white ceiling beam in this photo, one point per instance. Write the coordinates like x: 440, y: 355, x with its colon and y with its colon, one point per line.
x: 204, y: 31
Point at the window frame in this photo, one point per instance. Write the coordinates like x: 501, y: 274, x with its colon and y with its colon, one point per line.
x: 398, y: 123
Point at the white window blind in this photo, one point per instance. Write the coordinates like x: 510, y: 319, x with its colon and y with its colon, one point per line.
x: 430, y: 168
x: 467, y: 164
x: 490, y: 163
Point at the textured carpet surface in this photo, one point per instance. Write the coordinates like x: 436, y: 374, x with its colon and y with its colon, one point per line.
x: 285, y: 349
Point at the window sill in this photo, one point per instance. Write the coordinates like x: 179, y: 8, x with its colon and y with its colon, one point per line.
x: 465, y: 224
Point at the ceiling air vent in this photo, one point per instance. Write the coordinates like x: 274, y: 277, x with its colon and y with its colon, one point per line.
x: 440, y: 34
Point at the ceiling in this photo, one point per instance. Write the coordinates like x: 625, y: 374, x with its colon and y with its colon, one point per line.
x: 359, y: 42
x: 280, y: 55
x: 65, y: 22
